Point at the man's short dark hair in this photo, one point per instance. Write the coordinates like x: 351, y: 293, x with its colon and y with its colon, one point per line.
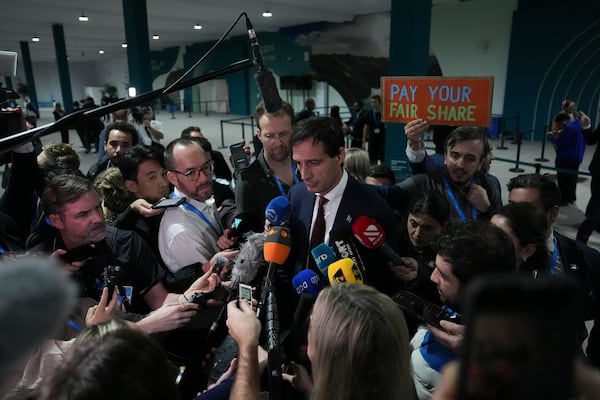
x: 187, y: 132
x: 286, y: 109
x: 125, y: 128
x: 474, y: 249
x: 320, y: 129
x: 62, y: 190
x: 131, y: 160
x: 464, y: 133
x: 549, y: 191
x: 381, y: 171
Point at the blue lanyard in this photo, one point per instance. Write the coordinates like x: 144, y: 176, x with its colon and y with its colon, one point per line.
x: 554, y: 257
x: 200, y: 214
x: 280, y: 185
x: 457, y: 206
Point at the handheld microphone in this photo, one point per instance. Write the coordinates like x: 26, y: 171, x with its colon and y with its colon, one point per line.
x: 345, y: 246
x: 277, y: 245
x: 278, y: 211
x: 307, y: 281
x: 264, y: 77
x: 323, y: 256
x: 344, y: 270
x: 371, y: 235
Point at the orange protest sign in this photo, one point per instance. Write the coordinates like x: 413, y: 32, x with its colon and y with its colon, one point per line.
x: 438, y: 100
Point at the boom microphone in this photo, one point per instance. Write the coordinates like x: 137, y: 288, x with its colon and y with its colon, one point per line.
x: 307, y: 281
x: 278, y: 211
x: 36, y: 299
x: 344, y: 271
x: 371, y: 235
x: 323, y: 256
x: 264, y: 77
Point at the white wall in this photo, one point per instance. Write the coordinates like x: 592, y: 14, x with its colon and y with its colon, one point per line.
x: 472, y: 39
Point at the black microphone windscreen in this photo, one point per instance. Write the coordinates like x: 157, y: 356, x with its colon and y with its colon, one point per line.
x: 36, y: 299
x: 268, y: 91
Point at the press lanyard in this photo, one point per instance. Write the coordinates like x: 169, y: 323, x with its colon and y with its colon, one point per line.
x: 278, y: 181
x: 199, y: 213
x: 554, y: 257
x: 457, y: 206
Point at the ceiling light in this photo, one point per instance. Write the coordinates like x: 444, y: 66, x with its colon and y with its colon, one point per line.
x: 83, y: 18
x: 197, y: 26
x: 267, y: 14
x: 100, y: 51
x: 124, y: 45
x: 35, y: 38
x: 155, y: 37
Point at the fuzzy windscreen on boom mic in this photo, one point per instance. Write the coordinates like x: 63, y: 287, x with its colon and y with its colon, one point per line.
x: 249, y: 259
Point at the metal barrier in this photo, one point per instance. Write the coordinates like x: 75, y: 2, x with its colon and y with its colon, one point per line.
x: 181, y: 105
x: 541, y: 157
x: 236, y: 121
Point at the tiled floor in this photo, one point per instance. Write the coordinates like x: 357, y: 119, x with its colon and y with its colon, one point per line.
x: 569, y: 219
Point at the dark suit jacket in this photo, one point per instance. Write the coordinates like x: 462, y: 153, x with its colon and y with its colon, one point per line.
x: 591, y: 138
x: 358, y: 199
x: 583, y: 263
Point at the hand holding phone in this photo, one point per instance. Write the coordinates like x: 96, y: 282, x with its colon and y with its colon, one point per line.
x: 166, y: 203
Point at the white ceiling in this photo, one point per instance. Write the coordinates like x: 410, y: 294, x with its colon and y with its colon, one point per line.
x: 173, y: 20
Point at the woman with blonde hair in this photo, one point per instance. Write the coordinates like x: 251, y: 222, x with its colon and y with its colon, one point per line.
x: 357, y: 163
x: 358, y: 347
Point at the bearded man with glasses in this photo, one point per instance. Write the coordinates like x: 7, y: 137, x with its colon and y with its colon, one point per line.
x: 191, y: 235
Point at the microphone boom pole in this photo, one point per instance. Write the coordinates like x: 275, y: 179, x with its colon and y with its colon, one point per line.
x: 10, y: 142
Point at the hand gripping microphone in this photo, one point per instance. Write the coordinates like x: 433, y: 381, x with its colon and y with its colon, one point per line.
x: 278, y: 211
x: 371, y: 235
x: 307, y: 281
x: 323, y: 256
x: 344, y: 270
x: 264, y: 77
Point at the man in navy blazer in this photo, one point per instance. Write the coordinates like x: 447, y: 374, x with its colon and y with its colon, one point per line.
x: 318, y: 150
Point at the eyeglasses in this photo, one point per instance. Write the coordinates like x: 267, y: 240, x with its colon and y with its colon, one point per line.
x: 194, y: 174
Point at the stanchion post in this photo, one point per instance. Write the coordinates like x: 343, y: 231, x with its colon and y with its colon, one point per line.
x: 542, y: 158
x: 222, y: 136
x: 501, y: 127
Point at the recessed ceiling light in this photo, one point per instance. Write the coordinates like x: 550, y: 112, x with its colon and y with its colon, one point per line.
x: 155, y: 37
x: 83, y: 18
x: 124, y: 45
x: 100, y: 51
x: 35, y: 38
x: 267, y: 14
x: 197, y: 26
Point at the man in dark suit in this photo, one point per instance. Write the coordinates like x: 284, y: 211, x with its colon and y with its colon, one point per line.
x: 592, y: 211
x: 318, y: 150
x: 567, y: 256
